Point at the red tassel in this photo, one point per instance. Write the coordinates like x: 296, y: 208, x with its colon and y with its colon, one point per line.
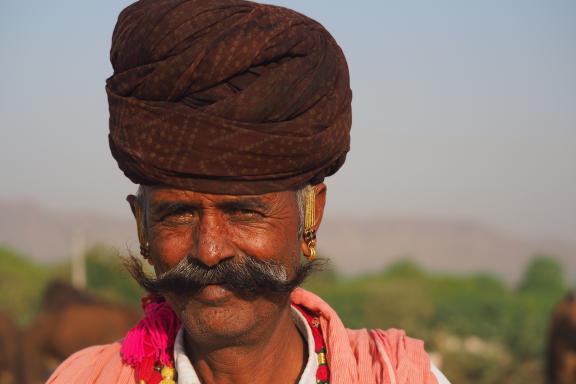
x: 151, y: 341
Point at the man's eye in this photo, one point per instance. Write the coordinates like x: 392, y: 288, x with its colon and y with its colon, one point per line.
x: 178, y: 218
x: 246, y: 213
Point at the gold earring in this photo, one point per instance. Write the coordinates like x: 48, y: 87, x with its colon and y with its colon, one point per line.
x: 310, y: 221
x: 145, y: 250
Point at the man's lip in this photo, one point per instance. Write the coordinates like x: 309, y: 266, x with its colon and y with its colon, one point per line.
x: 213, y: 294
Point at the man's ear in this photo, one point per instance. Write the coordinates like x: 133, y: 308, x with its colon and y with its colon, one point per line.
x: 133, y: 201
x: 138, y: 212
x: 320, y: 190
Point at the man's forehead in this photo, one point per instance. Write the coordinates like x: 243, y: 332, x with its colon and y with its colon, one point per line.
x: 159, y: 194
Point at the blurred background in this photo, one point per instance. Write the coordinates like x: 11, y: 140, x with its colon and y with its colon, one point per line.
x: 454, y: 217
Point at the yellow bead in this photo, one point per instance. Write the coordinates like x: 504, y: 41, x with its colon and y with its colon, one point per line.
x: 167, y: 373
x: 321, y: 358
x: 141, y: 382
x: 167, y: 381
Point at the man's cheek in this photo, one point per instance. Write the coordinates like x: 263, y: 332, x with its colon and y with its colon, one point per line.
x: 260, y: 246
x: 171, y: 249
x: 275, y: 248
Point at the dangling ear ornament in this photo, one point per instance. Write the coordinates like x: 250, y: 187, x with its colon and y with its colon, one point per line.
x: 309, y: 222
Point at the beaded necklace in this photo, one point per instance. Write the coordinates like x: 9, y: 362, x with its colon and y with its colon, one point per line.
x: 323, y: 373
x: 149, y: 346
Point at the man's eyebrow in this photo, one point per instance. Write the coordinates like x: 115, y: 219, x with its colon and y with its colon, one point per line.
x: 173, y: 206
x: 245, y: 203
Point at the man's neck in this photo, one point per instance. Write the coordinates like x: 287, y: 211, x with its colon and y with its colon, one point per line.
x: 278, y: 355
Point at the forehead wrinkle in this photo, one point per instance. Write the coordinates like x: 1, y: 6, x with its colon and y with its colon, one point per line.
x: 243, y: 203
x: 159, y: 193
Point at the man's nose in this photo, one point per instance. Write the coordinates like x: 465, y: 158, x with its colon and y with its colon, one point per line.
x: 213, y: 242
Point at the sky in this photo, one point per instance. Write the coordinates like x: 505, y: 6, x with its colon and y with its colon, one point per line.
x: 462, y: 110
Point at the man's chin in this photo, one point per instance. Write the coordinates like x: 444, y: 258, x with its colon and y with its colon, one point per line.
x: 224, y: 317
x: 215, y: 314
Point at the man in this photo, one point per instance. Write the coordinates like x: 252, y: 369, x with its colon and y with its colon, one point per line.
x: 229, y: 115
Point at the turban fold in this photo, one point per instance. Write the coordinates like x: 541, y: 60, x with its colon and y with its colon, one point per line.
x: 226, y: 96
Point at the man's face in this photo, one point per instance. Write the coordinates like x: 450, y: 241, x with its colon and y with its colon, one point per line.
x: 212, y: 229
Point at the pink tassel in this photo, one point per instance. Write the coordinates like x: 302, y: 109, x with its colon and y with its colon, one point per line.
x: 153, y: 336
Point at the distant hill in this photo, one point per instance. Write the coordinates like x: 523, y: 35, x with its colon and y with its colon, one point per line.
x: 48, y: 236
x: 354, y: 245
x: 438, y: 245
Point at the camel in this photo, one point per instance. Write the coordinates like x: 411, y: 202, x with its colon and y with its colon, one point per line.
x: 69, y: 320
x: 561, y: 351
x: 9, y: 350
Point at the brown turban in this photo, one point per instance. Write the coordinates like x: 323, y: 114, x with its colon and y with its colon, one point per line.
x: 226, y: 96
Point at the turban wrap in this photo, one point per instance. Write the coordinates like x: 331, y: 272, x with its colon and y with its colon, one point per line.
x: 226, y: 96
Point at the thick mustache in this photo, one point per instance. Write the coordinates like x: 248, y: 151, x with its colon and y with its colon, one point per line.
x: 245, y: 273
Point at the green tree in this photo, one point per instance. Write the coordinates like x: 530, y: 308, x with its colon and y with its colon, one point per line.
x: 107, y: 277
x: 404, y: 269
x: 21, y: 284
x: 543, y: 276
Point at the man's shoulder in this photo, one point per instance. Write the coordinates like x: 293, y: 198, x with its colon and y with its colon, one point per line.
x: 97, y: 364
x: 391, y: 343
x: 392, y: 353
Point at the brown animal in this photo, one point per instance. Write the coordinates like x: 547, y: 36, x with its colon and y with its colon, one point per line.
x: 561, y: 354
x: 9, y: 351
x: 68, y: 321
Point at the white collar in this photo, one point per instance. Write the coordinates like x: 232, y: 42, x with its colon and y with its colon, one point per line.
x: 187, y: 374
